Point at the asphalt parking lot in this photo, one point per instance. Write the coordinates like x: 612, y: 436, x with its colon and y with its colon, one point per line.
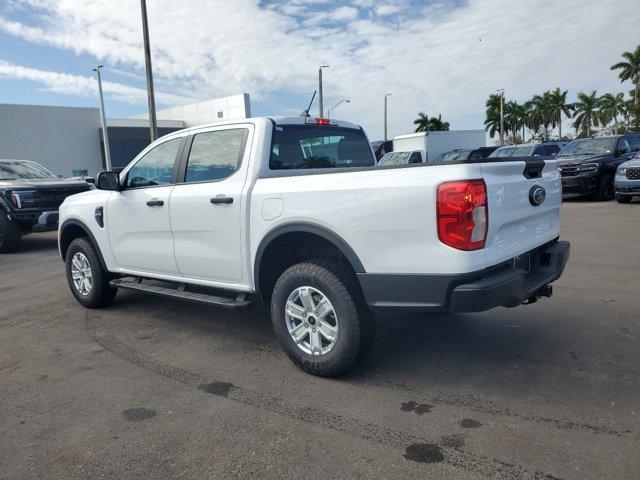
x: 155, y: 388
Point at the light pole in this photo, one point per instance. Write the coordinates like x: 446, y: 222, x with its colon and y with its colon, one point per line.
x: 501, y: 91
x: 103, y: 120
x: 153, y: 124
x: 320, y: 88
x: 335, y: 106
x: 385, y: 115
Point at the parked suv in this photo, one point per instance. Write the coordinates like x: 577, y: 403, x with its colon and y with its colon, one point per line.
x: 29, y: 199
x: 460, y: 155
x: 627, y: 181
x: 588, y: 165
x: 545, y: 149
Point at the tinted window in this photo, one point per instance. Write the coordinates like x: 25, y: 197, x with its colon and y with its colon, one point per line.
x: 400, y: 158
x: 546, y: 150
x: 155, y: 167
x: 635, y: 143
x: 315, y: 146
x: 589, y: 146
x: 215, y: 155
x: 624, y: 146
x: 504, y: 152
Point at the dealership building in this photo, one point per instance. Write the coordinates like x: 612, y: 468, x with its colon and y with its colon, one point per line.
x: 68, y: 140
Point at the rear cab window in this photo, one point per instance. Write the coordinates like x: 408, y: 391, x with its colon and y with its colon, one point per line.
x: 298, y: 147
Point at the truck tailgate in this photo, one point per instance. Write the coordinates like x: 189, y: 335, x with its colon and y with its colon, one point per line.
x: 516, y: 224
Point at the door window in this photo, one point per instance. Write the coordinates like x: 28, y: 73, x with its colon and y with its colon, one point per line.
x: 155, y: 167
x: 623, y: 146
x: 215, y: 155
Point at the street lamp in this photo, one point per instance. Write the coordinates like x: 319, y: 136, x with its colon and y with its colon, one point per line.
x: 501, y: 92
x: 385, y: 115
x: 153, y: 124
x: 103, y: 120
x: 320, y: 88
x: 334, y: 107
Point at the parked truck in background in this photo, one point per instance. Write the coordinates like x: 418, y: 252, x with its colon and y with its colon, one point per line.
x: 295, y: 212
x: 432, y: 144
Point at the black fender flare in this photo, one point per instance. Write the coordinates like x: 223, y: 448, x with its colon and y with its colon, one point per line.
x: 306, y: 227
x: 82, y: 226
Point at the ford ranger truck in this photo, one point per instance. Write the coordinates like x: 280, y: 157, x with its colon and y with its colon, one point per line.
x: 294, y: 212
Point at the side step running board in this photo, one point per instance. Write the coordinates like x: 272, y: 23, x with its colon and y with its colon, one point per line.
x: 181, y: 293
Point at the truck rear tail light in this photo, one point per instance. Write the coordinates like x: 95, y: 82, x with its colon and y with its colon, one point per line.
x: 462, y: 214
x: 323, y: 121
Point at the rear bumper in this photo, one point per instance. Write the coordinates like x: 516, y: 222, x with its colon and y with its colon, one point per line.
x: 508, y: 285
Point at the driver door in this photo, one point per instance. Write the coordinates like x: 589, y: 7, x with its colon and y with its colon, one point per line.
x: 137, y: 217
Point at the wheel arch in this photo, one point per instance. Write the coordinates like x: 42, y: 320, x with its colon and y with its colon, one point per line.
x: 309, y: 230
x: 72, y: 229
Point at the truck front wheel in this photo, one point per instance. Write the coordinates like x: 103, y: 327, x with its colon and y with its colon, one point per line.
x: 10, y: 234
x: 320, y: 317
x: 88, y: 281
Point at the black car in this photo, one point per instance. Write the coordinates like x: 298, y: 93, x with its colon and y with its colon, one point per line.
x: 588, y: 165
x: 29, y: 199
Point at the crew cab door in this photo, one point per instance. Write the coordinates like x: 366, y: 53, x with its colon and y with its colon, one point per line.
x: 207, y: 204
x: 137, y: 217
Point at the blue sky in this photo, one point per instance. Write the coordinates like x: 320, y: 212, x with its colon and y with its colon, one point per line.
x: 437, y: 57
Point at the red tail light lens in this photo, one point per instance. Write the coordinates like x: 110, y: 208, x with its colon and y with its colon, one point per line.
x: 323, y: 121
x: 463, y: 214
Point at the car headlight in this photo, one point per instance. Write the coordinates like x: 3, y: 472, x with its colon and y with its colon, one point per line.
x: 588, y: 167
x: 25, y: 198
x: 621, y: 171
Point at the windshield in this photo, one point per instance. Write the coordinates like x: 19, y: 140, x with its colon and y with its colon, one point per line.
x: 589, y: 146
x: 452, y: 156
x: 395, y: 158
x: 23, y: 170
x: 314, y: 146
x: 515, y: 151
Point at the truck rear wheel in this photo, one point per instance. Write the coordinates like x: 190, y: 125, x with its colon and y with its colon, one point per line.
x: 88, y: 281
x: 10, y: 235
x: 320, y: 317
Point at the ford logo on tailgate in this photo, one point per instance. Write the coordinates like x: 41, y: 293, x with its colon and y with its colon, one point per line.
x: 537, y: 194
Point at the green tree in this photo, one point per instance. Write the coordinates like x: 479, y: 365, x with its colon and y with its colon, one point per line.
x: 558, y: 106
x: 515, y: 118
x: 610, y: 107
x: 586, y: 113
x: 492, y: 119
x: 630, y: 70
x: 434, y: 124
x: 542, y: 114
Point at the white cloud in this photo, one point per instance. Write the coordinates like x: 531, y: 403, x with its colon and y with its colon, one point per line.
x: 434, y: 58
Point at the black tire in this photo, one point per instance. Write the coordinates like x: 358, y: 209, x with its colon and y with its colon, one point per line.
x: 101, y: 293
x: 10, y: 234
x: 623, y: 199
x: 356, y: 325
x: 605, y: 189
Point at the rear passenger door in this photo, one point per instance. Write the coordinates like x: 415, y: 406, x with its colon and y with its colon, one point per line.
x: 207, y: 204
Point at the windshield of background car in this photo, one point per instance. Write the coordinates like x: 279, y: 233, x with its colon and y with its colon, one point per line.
x: 515, y: 151
x: 395, y: 158
x: 318, y: 146
x: 23, y: 170
x: 589, y: 146
x: 452, y: 156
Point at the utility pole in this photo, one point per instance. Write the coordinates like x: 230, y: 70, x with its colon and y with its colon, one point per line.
x: 385, y: 115
x: 103, y: 120
x: 320, y: 98
x: 501, y: 116
x: 153, y: 124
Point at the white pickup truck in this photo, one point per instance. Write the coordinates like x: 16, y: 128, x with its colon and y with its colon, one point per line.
x: 294, y: 211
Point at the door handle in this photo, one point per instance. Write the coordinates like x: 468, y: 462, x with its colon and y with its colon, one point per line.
x: 221, y: 199
x: 154, y: 202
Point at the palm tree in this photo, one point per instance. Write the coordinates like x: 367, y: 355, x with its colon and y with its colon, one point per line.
x: 542, y: 113
x: 558, y: 106
x: 586, y: 113
x: 610, y: 107
x: 433, y: 124
x: 515, y: 117
x: 492, y: 120
x: 630, y: 70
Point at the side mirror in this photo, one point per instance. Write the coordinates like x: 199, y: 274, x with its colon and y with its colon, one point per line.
x: 109, y: 181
